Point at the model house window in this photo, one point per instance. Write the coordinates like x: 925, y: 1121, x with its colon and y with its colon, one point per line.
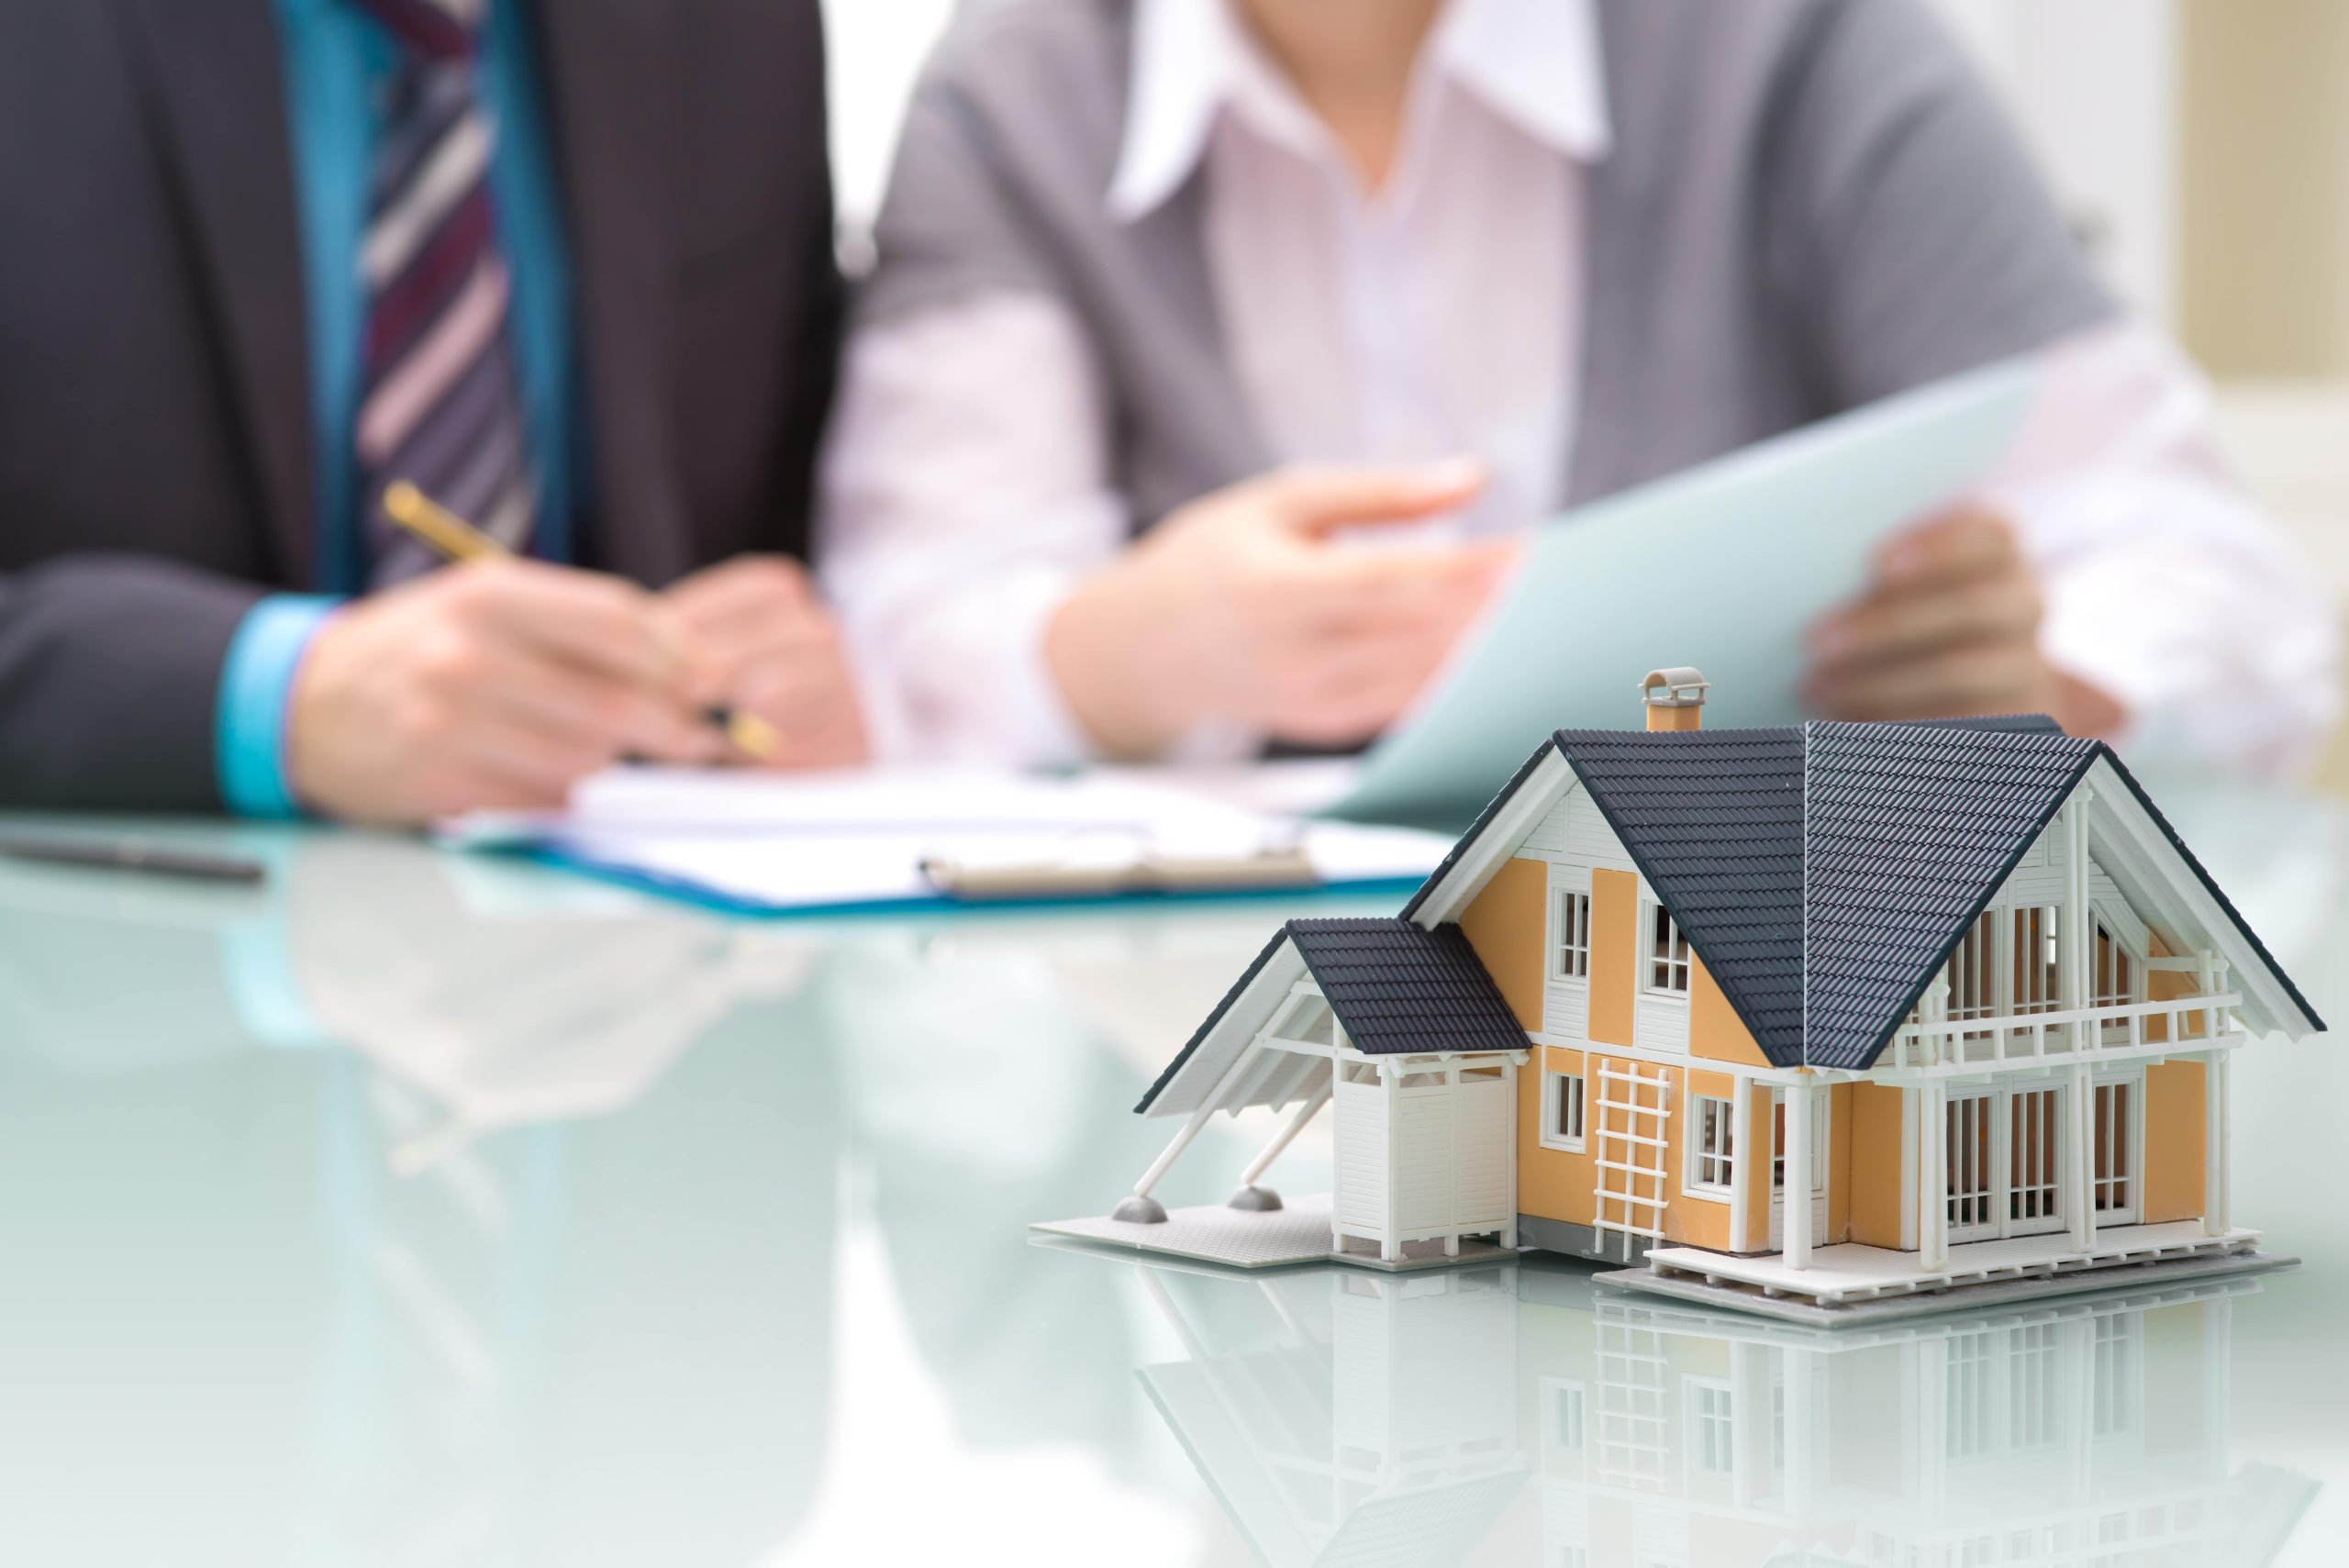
x: 1712, y: 1151
x: 2116, y: 1373
x: 1974, y: 972
x: 1966, y: 1401
x: 2115, y: 971
x: 1570, y: 928
x: 1712, y: 1428
x: 2037, y: 987
x: 2034, y: 1190
x: 1667, y: 952
x: 2115, y: 1131
x: 2035, y: 1388
x: 1565, y: 1417
x: 1562, y: 1111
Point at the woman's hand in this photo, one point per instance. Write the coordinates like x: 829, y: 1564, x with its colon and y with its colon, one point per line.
x: 1244, y: 608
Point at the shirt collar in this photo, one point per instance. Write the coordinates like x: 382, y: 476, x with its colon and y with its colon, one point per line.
x: 1536, y: 62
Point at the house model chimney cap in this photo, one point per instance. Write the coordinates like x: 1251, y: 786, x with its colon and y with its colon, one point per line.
x: 1678, y: 687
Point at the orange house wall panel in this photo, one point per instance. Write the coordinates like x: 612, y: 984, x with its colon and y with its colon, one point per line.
x: 1689, y: 1220
x: 1614, y: 954
x: 2173, y: 1141
x: 1715, y: 1031
x: 1506, y: 924
x: 1875, y: 1182
x: 1754, y: 1172
x: 1551, y: 1182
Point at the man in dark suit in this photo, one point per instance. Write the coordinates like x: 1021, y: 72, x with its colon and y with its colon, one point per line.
x: 565, y: 264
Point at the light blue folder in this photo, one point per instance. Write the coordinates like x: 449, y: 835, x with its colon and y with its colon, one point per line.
x: 1721, y: 567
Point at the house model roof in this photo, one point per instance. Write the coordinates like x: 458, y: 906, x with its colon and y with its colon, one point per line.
x: 1823, y: 874
x: 1396, y: 987
x: 1825, y: 871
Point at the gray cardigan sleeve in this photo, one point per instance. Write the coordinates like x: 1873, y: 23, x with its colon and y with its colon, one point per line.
x: 1908, y: 220
x: 109, y: 681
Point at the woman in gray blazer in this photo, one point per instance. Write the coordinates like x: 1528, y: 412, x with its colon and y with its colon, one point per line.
x: 1176, y: 298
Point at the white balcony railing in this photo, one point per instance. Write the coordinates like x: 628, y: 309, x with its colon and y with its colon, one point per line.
x: 2065, y: 1034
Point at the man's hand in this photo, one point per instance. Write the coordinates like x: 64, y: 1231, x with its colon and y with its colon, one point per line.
x: 495, y: 684
x: 1240, y: 607
x: 1948, y: 625
x: 776, y: 652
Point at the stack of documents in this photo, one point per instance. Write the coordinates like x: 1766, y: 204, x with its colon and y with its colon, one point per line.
x: 909, y: 838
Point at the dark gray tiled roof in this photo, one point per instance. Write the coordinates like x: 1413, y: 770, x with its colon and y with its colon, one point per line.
x: 1714, y: 820
x: 1823, y: 874
x: 1397, y: 986
x: 1910, y: 831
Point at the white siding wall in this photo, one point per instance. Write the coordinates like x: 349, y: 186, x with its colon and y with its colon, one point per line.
x: 1361, y: 1199
x: 1575, y: 831
x: 2039, y: 879
x: 1660, y: 1023
x: 1485, y: 1118
x: 1565, y: 1004
x: 1574, y: 837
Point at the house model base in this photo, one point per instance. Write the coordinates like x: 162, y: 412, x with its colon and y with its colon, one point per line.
x: 1298, y: 1232
x: 1984, y: 1290
x: 1814, y: 1022
x: 1845, y: 1284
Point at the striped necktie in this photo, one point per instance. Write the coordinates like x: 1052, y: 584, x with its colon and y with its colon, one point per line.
x: 441, y: 405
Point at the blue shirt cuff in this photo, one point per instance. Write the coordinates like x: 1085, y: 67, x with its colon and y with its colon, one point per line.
x: 255, y: 685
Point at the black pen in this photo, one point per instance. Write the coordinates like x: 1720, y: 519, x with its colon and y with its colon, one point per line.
x: 134, y: 855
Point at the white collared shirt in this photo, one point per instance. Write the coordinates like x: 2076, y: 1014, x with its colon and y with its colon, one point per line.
x: 1391, y: 327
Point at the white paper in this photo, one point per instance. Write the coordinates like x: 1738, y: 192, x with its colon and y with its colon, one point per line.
x: 854, y: 839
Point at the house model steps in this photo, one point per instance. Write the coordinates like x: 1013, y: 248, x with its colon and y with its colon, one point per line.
x: 1822, y: 1021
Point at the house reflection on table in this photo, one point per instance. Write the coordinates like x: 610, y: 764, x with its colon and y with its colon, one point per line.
x: 1513, y: 1413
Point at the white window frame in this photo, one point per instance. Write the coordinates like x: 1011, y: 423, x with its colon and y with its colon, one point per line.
x: 2132, y: 1134
x: 1566, y: 903
x: 1556, y: 1394
x: 2126, y: 950
x: 1723, y: 1160
x: 1678, y: 959
x: 1712, y: 1425
x: 1555, y: 1083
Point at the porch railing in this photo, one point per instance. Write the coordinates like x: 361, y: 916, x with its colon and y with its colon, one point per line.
x: 2063, y: 1034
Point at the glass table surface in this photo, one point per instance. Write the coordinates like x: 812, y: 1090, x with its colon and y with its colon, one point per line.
x: 418, y: 1209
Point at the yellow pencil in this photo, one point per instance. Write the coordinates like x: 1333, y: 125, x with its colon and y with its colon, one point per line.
x: 441, y: 529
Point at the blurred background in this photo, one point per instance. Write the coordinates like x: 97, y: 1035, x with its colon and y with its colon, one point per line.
x: 2201, y: 147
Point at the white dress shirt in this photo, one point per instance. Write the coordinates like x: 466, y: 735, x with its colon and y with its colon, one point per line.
x: 1393, y: 327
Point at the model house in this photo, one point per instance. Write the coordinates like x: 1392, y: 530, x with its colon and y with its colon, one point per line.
x: 1799, y: 1019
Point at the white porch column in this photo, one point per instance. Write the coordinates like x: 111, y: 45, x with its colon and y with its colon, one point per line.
x: 1390, y: 1248
x: 2073, y: 945
x: 2217, y: 1169
x: 1741, y: 1211
x: 2077, y: 1172
x: 1933, y: 1175
x: 1797, y: 1250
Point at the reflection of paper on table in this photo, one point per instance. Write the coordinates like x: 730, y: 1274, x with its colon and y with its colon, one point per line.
x: 846, y: 840
x: 1721, y: 567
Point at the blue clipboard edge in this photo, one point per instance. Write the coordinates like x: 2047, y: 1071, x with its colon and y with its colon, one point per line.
x: 681, y: 890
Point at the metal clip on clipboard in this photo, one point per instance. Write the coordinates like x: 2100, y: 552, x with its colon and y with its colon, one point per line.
x: 980, y: 880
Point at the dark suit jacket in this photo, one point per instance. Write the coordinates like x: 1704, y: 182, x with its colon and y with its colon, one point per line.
x: 156, y: 444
